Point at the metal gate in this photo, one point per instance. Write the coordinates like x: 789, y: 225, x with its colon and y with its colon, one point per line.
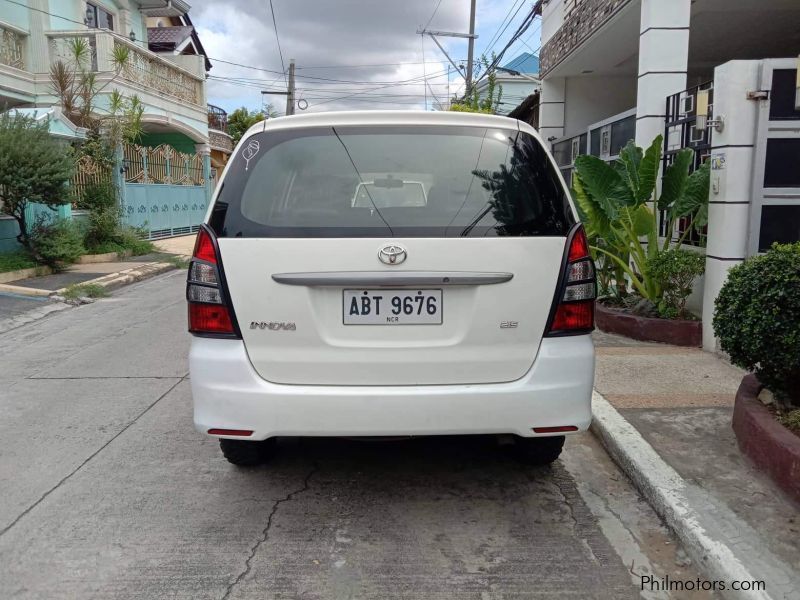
x: 165, y: 191
x: 775, y: 206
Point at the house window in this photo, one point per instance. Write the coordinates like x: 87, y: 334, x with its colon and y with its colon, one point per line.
x: 98, y: 18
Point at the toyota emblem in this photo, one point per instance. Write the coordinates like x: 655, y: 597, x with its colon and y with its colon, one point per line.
x: 392, y: 254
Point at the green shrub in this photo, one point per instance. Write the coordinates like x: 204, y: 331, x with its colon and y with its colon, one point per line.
x: 85, y: 290
x: 675, y: 270
x: 104, y: 214
x: 130, y: 238
x: 57, y: 242
x: 791, y: 420
x: 757, y: 319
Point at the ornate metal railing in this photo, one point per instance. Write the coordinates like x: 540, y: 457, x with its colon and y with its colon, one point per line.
x: 680, y: 132
x: 217, y: 118
x: 162, y: 164
x: 583, y: 18
x: 142, y: 67
x: 88, y: 172
x: 12, y: 48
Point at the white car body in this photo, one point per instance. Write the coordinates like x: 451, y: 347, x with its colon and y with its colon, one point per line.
x: 296, y: 368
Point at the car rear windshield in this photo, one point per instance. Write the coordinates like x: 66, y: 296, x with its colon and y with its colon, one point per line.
x: 391, y: 182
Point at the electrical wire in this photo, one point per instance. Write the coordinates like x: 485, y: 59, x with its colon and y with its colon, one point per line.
x: 496, y: 37
x: 278, y: 39
x: 435, y: 10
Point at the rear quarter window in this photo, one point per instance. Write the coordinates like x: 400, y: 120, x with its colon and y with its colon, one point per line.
x: 398, y: 181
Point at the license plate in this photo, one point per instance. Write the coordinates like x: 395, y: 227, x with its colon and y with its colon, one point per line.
x: 392, y: 307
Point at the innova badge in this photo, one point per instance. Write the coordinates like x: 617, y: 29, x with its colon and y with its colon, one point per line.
x: 392, y: 254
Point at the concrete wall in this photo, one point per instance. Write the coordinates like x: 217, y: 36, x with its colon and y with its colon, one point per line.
x: 9, y: 228
x: 15, y: 15
x: 592, y: 99
x: 731, y: 180
x: 180, y: 142
x: 552, y: 19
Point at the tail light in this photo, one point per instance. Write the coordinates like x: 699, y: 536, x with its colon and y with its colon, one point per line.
x: 210, y: 310
x: 573, y: 305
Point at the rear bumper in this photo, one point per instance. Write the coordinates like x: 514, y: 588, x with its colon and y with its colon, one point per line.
x: 229, y: 394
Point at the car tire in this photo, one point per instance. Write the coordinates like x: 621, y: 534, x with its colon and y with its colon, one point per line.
x: 538, y: 451
x: 244, y: 453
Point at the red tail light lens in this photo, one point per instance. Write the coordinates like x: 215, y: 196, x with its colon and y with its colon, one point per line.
x: 574, y: 301
x: 578, y: 247
x: 574, y: 315
x: 209, y: 318
x: 204, y: 247
x: 210, y: 311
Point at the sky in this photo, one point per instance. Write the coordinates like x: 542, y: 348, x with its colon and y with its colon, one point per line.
x: 350, y: 54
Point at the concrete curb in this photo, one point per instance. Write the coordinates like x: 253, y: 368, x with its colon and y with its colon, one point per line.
x: 116, y: 280
x: 111, y: 281
x: 25, y: 273
x: 721, y: 545
x: 23, y: 291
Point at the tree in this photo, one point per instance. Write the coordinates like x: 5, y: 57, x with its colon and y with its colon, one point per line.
x: 473, y: 102
x: 74, y: 84
x: 34, y: 168
x: 242, y: 119
x: 615, y: 205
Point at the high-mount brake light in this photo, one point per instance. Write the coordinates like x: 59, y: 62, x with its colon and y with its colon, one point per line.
x: 573, y: 313
x: 210, y: 312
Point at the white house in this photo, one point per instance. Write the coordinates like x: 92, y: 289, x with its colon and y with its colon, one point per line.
x: 519, y: 78
x: 167, y: 73
x: 719, y: 76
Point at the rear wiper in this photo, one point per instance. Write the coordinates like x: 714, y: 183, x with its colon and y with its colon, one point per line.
x: 361, y: 181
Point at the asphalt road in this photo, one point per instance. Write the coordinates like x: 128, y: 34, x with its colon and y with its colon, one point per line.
x: 106, y: 491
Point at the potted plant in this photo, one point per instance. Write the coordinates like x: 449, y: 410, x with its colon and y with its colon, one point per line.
x: 757, y: 321
x: 644, y: 281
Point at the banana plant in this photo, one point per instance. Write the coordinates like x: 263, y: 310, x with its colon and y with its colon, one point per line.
x: 617, y: 204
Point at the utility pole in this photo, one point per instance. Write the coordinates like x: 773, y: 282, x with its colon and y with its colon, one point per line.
x: 470, y: 48
x: 470, y: 36
x: 290, y: 92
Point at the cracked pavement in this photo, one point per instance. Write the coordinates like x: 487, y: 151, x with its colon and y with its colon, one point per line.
x: 106, y: 491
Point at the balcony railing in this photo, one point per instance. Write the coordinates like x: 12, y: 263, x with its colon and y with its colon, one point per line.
x: 581, y: 19
x: 144, y: 68
x: 217, y: 118
x: 12, y: 44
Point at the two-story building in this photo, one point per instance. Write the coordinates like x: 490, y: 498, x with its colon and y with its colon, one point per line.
x: 167, y: 176
x: 519, y: 78
x: 719, y: 76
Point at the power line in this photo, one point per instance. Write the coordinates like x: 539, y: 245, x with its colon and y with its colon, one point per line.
x: 526, y: 23
x: 397, y: 64
x: 435, y: 10
x: 493, y: 40
x: 277, y: 39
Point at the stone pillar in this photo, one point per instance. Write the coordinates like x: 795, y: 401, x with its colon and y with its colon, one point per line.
x: 204, y: 150
x: 37, y: 51
x: 118, y: 178
x: 663, y: 61
x: 732, y: 156
x: 551, y: 109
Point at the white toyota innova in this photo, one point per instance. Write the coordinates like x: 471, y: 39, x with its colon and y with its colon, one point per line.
x: 391, y: 274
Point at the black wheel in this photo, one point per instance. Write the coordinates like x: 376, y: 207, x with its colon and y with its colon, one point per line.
x: 538, y: 451
x: 247, y: 454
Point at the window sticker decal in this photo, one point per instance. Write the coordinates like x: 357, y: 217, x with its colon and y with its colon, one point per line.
x: 249, y: 152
